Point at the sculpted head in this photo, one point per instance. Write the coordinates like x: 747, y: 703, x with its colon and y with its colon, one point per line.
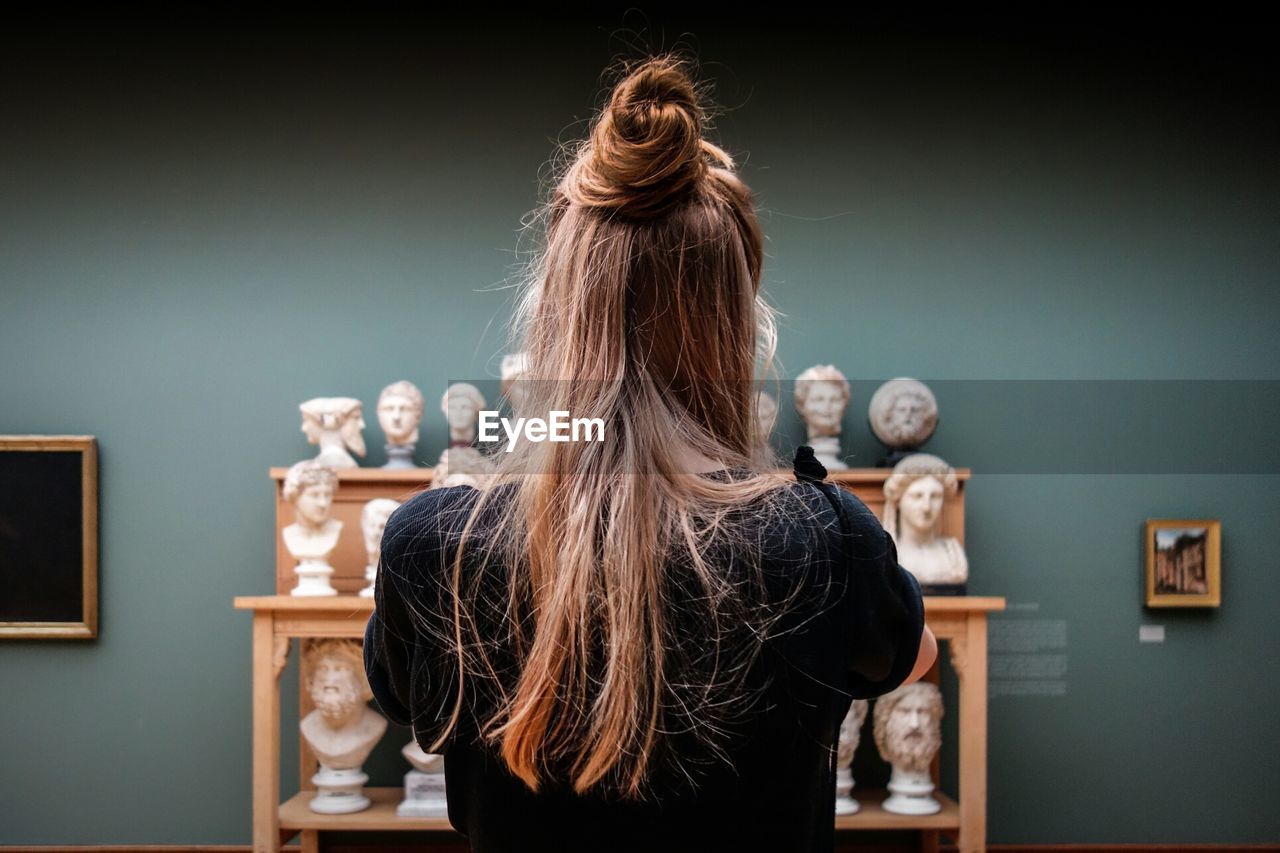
x: 309, y: 486
x: 514, y: 366
x: 851, y: 732
x: 373, y: 521
x: 461, y: 404
x: 341, y: 415
x: 908, y: 725
x: 903, y: 413
x: 333, y: 673
x: 915, y: 492
x: 400, y: 411
x: 821, y: 395
x: 766, y: 415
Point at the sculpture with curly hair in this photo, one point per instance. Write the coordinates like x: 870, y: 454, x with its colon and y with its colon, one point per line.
x: 913, y: 501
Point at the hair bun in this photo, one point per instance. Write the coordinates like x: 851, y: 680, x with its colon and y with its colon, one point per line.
x: 646, y: 150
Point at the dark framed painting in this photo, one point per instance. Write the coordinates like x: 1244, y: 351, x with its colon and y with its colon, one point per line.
x: 1184, y: 562
x: 48, y: 537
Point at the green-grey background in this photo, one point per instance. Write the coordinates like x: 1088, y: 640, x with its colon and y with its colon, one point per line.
x: 200, y: 228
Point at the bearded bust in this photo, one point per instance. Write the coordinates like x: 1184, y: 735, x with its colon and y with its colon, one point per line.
x: 342, y: 730
x: 903, y: 414
x: 336, y: 424
x: 846, y: 746
x: 908, y: 733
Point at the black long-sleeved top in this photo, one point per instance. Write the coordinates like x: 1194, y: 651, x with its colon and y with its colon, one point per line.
x: 854, y: 634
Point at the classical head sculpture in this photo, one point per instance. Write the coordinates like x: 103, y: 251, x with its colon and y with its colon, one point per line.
x: 766, y: 416
x: 514, y: 366
x: 821, y: 395
x: 851, y: 732
x: 400, y: 412
x: 335, y: 679
x: 310, y: 486
x: 461, y: 405
x: 334, y: 423
x: 903, y: 413
x: 459, y: 466
x: 914, y: 495
x: 373, y: 523
x: 908, y: 726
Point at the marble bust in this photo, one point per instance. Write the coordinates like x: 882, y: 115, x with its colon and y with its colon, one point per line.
x: 821, y: 395
x: 461, y: 405
x: 334, y: 423
x: 514, y: 367
x: 309, y: 487
x: 399, y: 413
x: 913, y: 500
x: 846, y: 746
x: 903, y: 415
x: 460, y: 466
x: 908, y: 733
x: 342, y: 730
x: 373, y: 522
x: 424, y: 785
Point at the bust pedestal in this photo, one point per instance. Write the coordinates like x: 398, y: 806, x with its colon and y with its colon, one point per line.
x: 339, y: 791
x: 845, y: 803
x: 399, y: 457
x: 909, y: 793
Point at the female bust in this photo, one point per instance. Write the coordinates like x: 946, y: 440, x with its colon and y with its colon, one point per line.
x: 309, y: 487
x: 461, y: 405
x: 914, y: 496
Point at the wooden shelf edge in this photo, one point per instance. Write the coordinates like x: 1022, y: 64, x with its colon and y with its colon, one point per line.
x: 327, y: 604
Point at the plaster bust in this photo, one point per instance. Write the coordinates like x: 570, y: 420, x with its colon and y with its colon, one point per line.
x: 373, y: 522
x: 514, y: 367
x: 903, y: 413
x: 422, y: 761
x: 342, y: 730
x: 846, y: 746
x: 461, y: 405
x: 334, y: 423
x: 460, y: 466
x: 914, y: 495
x: 309, y: 487
x: 821, y: 395
x: 400, y: 412
x: 908, y: 733
x: 766, y: 416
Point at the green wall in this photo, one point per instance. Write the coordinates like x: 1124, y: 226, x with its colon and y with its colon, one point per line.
x: 200, y: 228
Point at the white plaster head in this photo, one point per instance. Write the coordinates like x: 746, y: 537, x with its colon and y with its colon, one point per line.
x: 310, y: 487
x: 766, y: 416
x: 400, y: 412
x: 908, y: 726
x: 821, y: 395
x: 461, y: 405
x: 460, y: 466
x: 851, y: 732
x: 915, y: 493
x: 903, y: 413
x: 334, y: 423
x: 514, y: 367
x: 373, y: 522
x: 334, y: 676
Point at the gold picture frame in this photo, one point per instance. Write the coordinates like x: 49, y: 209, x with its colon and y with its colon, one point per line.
x: 1184, y: 562
x: 48, y: 537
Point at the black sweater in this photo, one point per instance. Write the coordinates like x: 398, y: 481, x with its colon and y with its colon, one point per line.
x: 856, y: 637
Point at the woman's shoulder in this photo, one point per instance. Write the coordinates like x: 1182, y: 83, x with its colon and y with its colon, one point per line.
x: 865, y: 530
x: 427, y: 524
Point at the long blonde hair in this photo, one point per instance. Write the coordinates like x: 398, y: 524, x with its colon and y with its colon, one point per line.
x: 643, y: 308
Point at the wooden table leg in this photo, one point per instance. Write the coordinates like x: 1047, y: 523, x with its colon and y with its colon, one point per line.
x: 266, y: 737
x: 972, y: 671
x: 310, y: 841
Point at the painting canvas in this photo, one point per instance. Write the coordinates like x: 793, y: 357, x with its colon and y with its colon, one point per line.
x: 48, y: 537
x: 1183, y: 566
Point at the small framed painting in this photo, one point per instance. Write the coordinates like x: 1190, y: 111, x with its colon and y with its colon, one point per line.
x: 48, y: 537
x: 1184, y: 562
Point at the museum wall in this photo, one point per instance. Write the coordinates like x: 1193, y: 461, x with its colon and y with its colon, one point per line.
x: 200, y: 230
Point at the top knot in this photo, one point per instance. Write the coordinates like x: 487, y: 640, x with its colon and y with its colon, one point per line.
x: 646, y: 152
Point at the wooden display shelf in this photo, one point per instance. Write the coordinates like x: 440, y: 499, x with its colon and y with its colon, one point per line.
x: 873, y: 816
x: 295, y: 813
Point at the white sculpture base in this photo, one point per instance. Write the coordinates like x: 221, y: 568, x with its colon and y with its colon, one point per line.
x: 339, y: 791
x: 826, y: 449
x: 423, y: 795
x: 845, y: 803
x: 909, y: 794
x: 370, y: 576
x: 313, y: 578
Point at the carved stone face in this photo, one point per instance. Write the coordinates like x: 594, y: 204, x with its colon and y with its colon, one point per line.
x: 462, y: 413
x: 398, y: 417
x: 335, y: 690
x: 912, y: 733
x: 906, y: 417
x: 313, y: 504
x: 921, y: 504
x: 824, y: 406
x: 373, y: 522
x: 311, y: 430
